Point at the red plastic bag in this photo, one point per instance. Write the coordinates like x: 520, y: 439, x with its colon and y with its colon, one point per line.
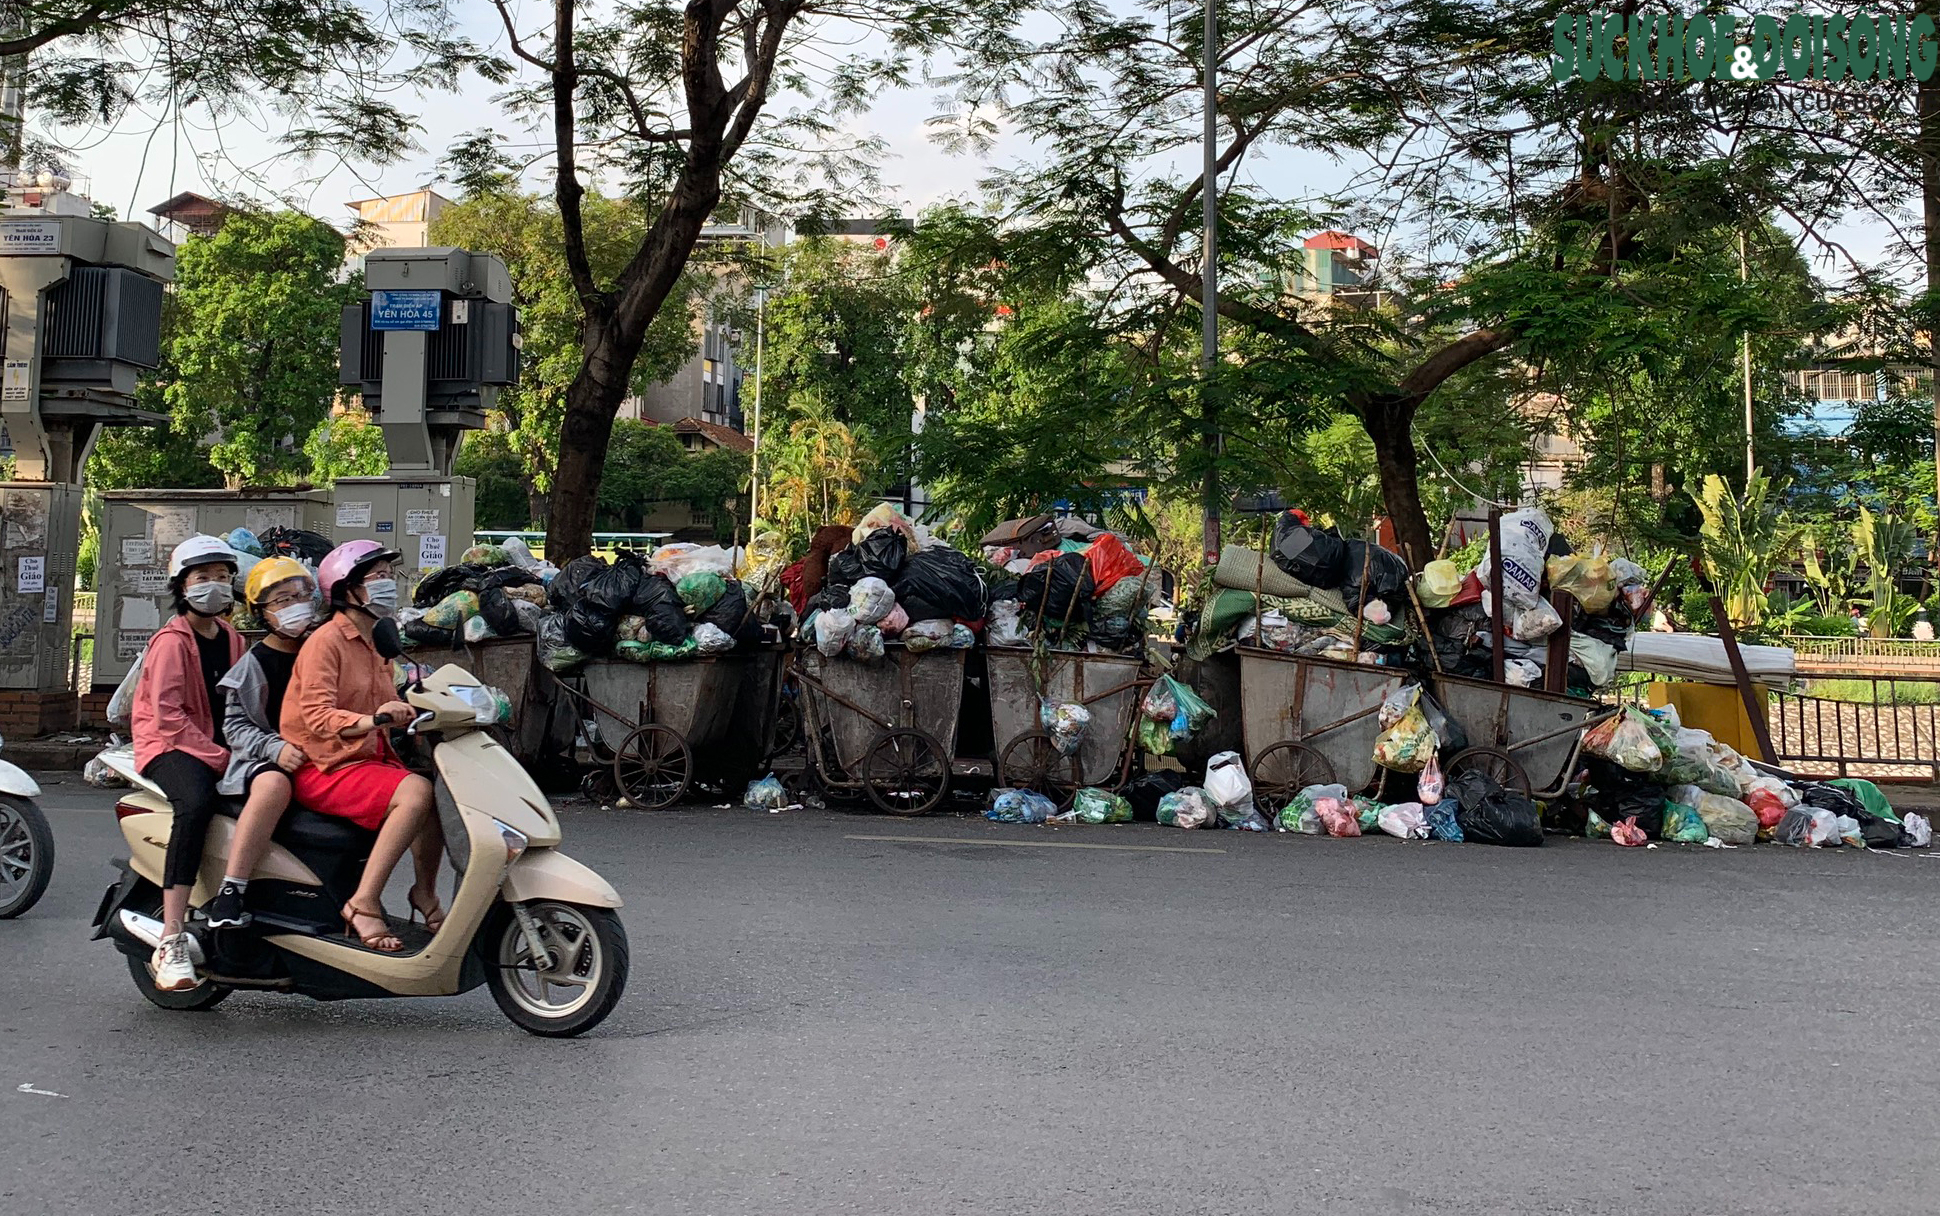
x: 1110, y: 561
x: 1471, y: 592
x: 1337, y: 816
x: 791, y: 581
x: 1628, y: 833
x: 1767, y: 805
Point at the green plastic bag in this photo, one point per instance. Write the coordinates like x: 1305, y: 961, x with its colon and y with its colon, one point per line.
x: 452, y: 611
x: 700, y: 591
x: 1596, y: 827
x: 1869, y: 796
x: 1301, y: 815
x: 1369, y: 812
x: 1102, y: 806
x: 1683, y: 824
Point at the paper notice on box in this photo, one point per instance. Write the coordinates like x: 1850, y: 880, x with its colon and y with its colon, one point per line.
x: 145, y: 580
x: 261, y: 519
x: 16, y: 382
x: 32, y: 576
x: 420, y: 523
x: 353, y: 515
x: 139, y: 614
x: 51, y: 610
x: 170, y: 526
x: 137, y: 551
x: 129, y: 643
x: 431, y: 552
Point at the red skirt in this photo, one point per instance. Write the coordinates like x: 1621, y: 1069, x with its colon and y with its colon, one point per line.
x: 360, y: 792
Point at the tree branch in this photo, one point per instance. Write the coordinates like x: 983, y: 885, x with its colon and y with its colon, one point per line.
x: 59, y: 28
x: 572, y: 219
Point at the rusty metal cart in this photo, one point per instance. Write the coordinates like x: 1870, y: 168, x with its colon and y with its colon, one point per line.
x: 1110, y: 686
x: 1527, y: 739
x: 675, y: 721
x: 885, y: 728
x: 1310, y: 721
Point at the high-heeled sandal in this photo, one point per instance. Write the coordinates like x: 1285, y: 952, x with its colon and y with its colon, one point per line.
x: 374, y: 941
x: 434, y: 916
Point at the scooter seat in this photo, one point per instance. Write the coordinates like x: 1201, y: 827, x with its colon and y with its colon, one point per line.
x: 302, y: 828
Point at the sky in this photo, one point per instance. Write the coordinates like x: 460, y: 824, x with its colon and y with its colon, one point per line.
x: 150, y: 158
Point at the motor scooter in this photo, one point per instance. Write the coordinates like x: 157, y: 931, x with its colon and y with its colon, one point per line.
x: 26, y: 843
x: 539, y: 929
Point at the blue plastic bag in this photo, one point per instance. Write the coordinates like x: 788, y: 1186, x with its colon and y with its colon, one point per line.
x: 242, y: 540
x: 767, y: 794
x: 1019, y: 806
x: 1442, y: 824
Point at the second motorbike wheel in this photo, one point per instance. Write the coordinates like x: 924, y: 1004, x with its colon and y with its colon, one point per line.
x: 195, y: 1000
x: 653, y: 767
x: 585, y: 969
x: 26, y: 855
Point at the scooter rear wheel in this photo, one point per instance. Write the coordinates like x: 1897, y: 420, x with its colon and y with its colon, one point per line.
x: 26, y: 855
x: 195, y: 1000
x: 588, y: 973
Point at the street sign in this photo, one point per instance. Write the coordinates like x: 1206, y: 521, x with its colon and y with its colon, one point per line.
x: 407, y: 310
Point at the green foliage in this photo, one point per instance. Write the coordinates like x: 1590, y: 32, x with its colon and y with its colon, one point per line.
x: 1885, y: 542
x: 501, y: 502
x: 813, y: 477
x: 1741, y: 541
x: 252, y: 342
x: 647, y: 465
x: 346, y: 444
x: 140, y: 457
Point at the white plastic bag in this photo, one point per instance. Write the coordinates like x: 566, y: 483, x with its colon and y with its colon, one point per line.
x: 712, y: 639
x: 1521, y: 673
x: 1429, y: 785
x: 519, y: 554
x: 1535, y: 624
x: 1226, y: 781
x: 1404, y: 819
x: 1525, y: 539
x: 1599, y: 659
x: 1824, y: 829
x: 1066, y: 723
x: 1919, y: 832
x: 1007, y: 626
x: 121, y: 706
x: 870, y: 600
x: 833, y: 631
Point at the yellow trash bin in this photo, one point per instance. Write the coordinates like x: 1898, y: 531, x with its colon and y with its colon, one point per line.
x: 1714, y: 707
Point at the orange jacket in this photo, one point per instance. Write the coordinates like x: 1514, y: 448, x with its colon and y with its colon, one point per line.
x: 339, y: 678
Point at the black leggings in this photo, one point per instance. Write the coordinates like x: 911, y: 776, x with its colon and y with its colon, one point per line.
x: 191, y: 788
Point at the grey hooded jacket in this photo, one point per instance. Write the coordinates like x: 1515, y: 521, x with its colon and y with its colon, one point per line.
x: 252, y: 737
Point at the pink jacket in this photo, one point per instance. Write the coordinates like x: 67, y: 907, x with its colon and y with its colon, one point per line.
x: 172, y: 711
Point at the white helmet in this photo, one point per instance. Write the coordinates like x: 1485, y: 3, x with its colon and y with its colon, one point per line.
x: 200, y: 551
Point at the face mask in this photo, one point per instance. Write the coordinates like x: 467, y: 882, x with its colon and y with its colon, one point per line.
x: 209, y: 599
x: 292, y: 621
x: 383, y: 596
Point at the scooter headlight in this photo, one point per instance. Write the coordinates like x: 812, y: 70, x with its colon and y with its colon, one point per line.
x: 515, y: 841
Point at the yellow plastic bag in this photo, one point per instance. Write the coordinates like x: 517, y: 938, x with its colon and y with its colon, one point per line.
x: 1589, y: 579
x: 1438, y: 584
x: 886, y: 515
x: 1408, y: 745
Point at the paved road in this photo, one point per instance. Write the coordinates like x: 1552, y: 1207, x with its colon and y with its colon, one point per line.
x: 823, y: 1023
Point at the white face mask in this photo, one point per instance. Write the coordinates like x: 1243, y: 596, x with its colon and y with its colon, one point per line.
x: 291, y: 622
x: 209, y: 599
x: 383, y: 596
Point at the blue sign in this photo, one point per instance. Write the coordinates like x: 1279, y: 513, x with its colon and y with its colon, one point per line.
x: 384, y: 525
x: 406, y: 309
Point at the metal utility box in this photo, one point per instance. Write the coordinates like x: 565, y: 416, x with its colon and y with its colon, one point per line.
x: 428, y: 520
x: 140, y: 528
x: 40, y: 534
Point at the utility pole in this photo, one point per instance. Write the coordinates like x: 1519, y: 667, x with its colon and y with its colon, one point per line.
x: 1209, y: 284
x: 1751, y: 456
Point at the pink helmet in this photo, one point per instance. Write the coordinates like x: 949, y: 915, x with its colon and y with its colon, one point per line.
x: 349, y: 560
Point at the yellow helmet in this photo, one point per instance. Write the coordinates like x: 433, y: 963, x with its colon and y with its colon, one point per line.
x: 271, y: 571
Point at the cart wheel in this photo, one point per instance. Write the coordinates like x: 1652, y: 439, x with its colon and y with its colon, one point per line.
x: 1286, y: 768
x: 1503, y: 768
x: 653, y: 767
x: 906, y: 772
x: 1031, y: 762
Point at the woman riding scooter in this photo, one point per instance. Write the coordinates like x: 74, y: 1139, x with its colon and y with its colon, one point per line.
x: 341, y: 688
x: 282, y: 593
x: 177, y: 725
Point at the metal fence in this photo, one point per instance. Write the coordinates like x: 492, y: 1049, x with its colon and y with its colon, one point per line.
x: 1877, y: 727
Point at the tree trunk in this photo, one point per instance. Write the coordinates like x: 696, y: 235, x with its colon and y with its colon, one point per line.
x: 1390, y: 424
x: 592, y: 402
x: 1929, y: 147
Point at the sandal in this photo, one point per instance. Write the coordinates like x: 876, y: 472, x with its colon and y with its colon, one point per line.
x: 434, y: 916
x: 374, y: 941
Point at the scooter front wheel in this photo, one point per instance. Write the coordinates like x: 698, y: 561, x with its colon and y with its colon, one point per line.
x: 576, y: 986
x: 195, y: 1000
x: 26, y: 855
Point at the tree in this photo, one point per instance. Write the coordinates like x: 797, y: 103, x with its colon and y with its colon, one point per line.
x: 814, y: 478
x: 1743, y: 538
x: 340, y: 70
x: 252, y: 344
x: 128, y: 458
x: 672, y: 98
x: 501, y: 501
x: 525, y: 231
x: 647, y: 464
x: 346, y: 444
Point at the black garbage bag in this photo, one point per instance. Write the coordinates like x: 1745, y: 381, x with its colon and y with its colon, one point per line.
x: 655, y: 598
x: 1118, y: 633
x: 507, y: 576
x: 1144, y: 793
x: 496, y: 607
x: 1567, y: 817
x: 731, y: 616
x: 441, y: 583
x: 939, y: 584
x: 1316, y: 558
x: 1002, y: 588
x: 569, y: 583
x: 1835, y: 799
x: 615, y: 589
x: 845, y: 571
x: 1879, y: 833
x: 1387, y: 578
x: 1611, y: 626
x: 1616, y: 794
x: 1489, y: 814
x: 1057, y: 592
x: 882, y: 554
x: 1450, y: 733
x: 294, y: 542
x: 422, y: 634
x: 591, y: 629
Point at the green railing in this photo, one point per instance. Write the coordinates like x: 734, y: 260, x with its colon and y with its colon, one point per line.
x: 1860, y: 648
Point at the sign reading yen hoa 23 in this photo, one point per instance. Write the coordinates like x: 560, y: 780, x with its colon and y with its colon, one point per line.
x: 1724, y: 46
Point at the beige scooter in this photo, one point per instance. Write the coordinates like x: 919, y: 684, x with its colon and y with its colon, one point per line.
x: 536, y: 927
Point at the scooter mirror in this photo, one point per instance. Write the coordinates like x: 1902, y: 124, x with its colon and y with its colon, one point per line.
x: 389, y: 643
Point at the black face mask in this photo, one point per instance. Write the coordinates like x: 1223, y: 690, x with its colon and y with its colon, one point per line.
x: 389, y: 643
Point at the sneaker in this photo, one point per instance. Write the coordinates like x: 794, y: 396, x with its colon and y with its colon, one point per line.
x: 226, y: 910
x: 173, y: 970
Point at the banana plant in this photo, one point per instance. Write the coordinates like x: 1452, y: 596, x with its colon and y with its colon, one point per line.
x: 1740, y: 542
x: 1831, y: 566
x: 1885, y: 541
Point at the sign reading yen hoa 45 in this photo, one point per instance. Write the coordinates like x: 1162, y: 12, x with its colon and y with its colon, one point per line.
x: 406, y: 309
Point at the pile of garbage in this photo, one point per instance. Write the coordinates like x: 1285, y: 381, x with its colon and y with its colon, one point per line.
x: 494, y: 591
x: 1312, y: 593
x: 678, y: 602
x: 1649, y: 777
x: 1092, y: 595
x: 894, y: 584
x: 307, y: 548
